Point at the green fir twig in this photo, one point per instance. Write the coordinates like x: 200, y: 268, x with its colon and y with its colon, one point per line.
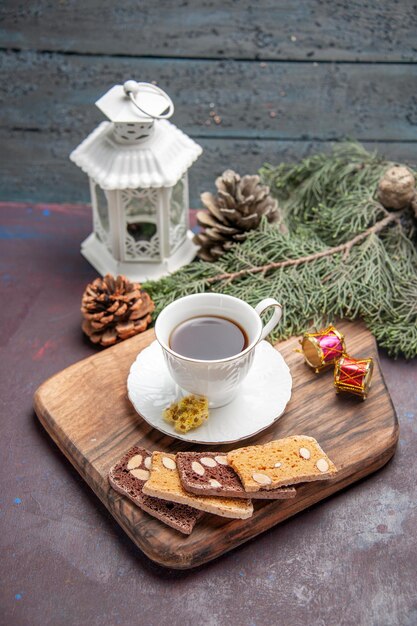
x: 339, y: 255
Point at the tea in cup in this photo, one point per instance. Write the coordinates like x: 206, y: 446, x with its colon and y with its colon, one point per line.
x: 208, y: 342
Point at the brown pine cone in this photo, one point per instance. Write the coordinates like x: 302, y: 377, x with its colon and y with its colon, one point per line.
x: 115, y: 309
x: 238, y: 208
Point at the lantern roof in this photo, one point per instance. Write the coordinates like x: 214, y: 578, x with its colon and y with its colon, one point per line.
x: 135, y: 102
x: 158, y: 161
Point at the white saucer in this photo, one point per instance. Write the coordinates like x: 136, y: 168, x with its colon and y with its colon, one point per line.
x: 261, y: 400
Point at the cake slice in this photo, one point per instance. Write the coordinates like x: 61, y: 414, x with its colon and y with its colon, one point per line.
x: 288, y: 461
x: 165, y: 483
x: 128, y: 477
x: 209, y: 474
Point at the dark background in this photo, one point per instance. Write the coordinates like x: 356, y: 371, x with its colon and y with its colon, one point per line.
x: 285, y: 78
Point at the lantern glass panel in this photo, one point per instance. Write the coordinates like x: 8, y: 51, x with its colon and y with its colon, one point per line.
x: 101, y: 216
x: 178, y: 215
x: 140, y: 244
x: 142, y: 231
x: 141, y: 234
x: 139, y: 202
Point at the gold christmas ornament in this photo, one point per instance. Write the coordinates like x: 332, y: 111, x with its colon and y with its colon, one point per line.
x: 115, y: 309
x: 396, y: 189
x: 322, y: 348
x: 353, y: 375
x: 237, y: 209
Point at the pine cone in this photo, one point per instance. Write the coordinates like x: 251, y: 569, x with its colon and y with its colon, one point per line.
x: 396, y: 188
x: 237, y: 209
x: 115, y: 309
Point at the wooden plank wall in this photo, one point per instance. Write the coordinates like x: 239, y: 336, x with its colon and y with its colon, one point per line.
x: 283, y: 79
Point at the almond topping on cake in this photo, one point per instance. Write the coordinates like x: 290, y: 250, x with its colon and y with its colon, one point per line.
x: 198, y: 468
x: 169, y: 463
x: 148, y: 462
x: 140, y: 473
x: 305, y: 453
x: 214, y: 483
x: 208, y: 461
x: 322, y: 465
x: 222, y: 460
x: 134, y: 462
x: 262, y: 479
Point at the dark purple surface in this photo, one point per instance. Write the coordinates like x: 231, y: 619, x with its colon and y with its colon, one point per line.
x: 350, y: 560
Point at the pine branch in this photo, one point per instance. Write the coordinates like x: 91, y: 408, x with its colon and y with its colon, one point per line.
x: 323, y: 178
x: 344, y: 247
x: 337, y: 254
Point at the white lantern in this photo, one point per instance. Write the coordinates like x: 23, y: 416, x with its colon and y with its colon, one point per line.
x: 137, y: 165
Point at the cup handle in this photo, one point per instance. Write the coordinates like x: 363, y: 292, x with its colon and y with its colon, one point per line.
x: 261, y: 307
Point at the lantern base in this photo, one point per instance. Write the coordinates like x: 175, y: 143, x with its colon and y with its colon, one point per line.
x: 100, y: 258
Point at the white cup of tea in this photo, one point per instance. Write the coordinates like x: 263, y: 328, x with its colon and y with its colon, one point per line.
x: 200, y: 324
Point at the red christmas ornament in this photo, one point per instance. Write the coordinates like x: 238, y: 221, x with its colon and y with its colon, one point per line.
x: 323, y: 348
x: 353, y: 375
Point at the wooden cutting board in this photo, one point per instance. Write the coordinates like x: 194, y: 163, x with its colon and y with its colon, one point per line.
x: 86, y: 411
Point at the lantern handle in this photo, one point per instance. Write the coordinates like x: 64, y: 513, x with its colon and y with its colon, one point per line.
x: 132, y: 88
